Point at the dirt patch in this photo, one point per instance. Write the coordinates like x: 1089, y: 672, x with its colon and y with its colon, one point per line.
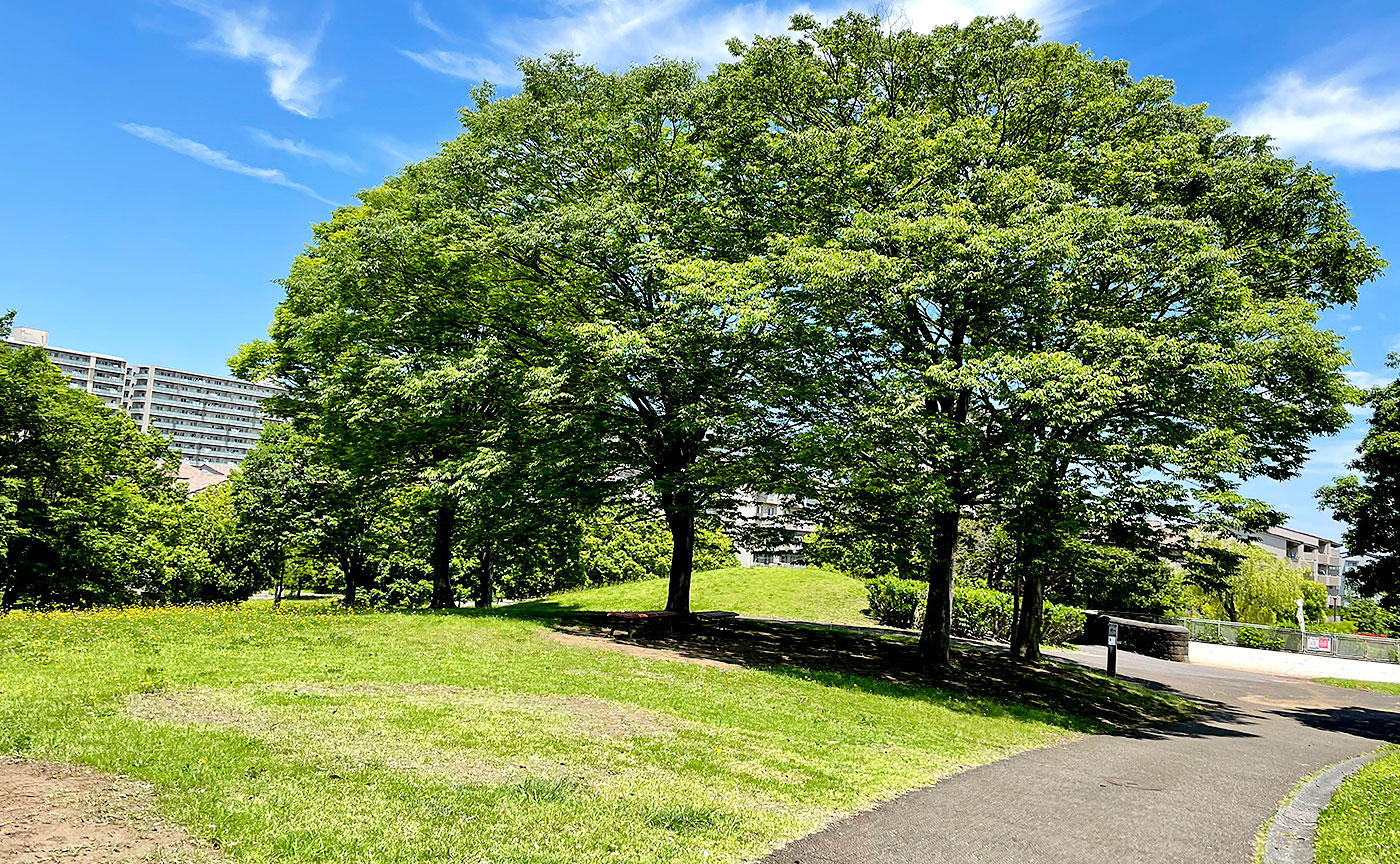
x: 60, y: 813
x: 192, y: 707
x: 651, y: 652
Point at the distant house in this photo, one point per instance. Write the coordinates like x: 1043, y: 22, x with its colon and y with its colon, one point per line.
x: 1320, y: 557
x: 200, y: 477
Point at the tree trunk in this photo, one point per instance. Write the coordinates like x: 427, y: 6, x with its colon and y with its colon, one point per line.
x: 442, y: 555
x: 278, y: 582
x: 935, y: 642
x: 1025, y: 640
x: 486, y: 594
x: 351, y: 565
x: 680, y: 518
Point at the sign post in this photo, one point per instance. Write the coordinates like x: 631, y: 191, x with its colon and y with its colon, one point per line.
x: 1112, y: 649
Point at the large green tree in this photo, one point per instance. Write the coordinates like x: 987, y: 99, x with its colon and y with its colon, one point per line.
x: 1032, y: 286
x: 560, y: 244
x: 1368, y: 502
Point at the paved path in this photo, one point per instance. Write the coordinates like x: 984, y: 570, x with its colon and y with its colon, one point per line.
x: 1194, y: 792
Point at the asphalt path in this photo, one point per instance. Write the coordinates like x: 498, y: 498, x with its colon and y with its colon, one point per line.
x: 1191, y: 792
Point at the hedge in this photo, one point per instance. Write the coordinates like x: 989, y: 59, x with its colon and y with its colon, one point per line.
x: 978, y: 613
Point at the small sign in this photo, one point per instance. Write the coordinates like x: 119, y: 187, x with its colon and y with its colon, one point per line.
x: 1320, y: 643
x: 1112, y: 633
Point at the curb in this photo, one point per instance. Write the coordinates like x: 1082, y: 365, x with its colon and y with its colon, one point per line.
x: 1289, y: 837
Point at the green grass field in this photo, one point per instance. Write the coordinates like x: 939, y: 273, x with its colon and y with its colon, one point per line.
x: 1373, y: 686
x: 798, y: 593
x: 308, y: 733
x: 1362, y: 824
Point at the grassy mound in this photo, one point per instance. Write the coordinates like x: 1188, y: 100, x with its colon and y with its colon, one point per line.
x: 799, y: 593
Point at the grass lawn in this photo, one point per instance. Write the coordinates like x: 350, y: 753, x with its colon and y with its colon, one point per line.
x: 1374, y: 686
x: 799, y: 593
x: 1362, y: 824
x: 313, y: 734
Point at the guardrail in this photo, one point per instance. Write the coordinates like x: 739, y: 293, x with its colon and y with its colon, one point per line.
x: 1346, y: 645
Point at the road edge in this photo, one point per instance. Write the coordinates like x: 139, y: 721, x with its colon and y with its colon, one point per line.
x: 1287, y: 838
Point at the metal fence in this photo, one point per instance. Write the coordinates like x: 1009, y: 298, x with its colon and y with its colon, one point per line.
x: 1347, y: 645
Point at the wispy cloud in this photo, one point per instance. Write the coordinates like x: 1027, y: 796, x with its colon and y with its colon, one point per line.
x: 245, y: 35
x: 422, y: 19
x: 338, y: 161
x: 215, y: 158
x: 398, y: 153
x: 457, y: 64
x: 1350, y: 119
x: 615, y: 33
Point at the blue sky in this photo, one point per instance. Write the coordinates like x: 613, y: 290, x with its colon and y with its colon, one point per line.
x: 167, y: 157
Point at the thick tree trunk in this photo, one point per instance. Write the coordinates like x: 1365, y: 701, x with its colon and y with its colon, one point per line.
x: 1025, y: 638
x: 351, y: 565
x: 936, y: 640
x: 441, y: 560
x: 680, y: 518
x: 486, y: 595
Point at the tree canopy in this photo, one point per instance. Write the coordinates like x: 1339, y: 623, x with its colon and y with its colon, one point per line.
x: 1369, y: 500
x: 912, y: 277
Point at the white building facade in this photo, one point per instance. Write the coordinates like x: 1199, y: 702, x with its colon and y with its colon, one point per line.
x: 1322, y: 558
x: 788, y: 530
x: 101, y: 375
x: 209, y: 419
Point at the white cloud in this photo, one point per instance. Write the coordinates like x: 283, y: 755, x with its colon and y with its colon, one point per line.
x: 1332, y: 457
x: 245, y: 36
x: 420, y: 16
x: 398, y: 153
x: 338, y: 161
x: 456, y: 64
x: 214, y: 158
x: 1351, y: 119
x: 615, y: 33
x: 1367, y: 380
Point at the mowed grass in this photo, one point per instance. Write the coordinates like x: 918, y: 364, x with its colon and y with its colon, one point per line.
x: 308, y: 733
x: 797, y: 593
x: 1373, y: 686
x: 1362, y: 823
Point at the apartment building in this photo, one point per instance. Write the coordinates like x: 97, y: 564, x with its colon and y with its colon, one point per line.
x: 1322, y: 558
x: 101, y: 375
x: 209, y: 419
x: 773, y: 531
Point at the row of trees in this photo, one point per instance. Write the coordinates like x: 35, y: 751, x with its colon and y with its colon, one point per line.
x: 92, y: 513
x: 909, y: 277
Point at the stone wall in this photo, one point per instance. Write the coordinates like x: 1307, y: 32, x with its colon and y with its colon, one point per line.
x: 1164, y: 641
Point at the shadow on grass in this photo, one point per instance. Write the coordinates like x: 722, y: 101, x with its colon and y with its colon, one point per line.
x: 855, y: 658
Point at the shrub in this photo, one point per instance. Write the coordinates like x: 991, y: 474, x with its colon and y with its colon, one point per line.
x: 628, y: 544
x: 401, y: 594
x: 895, y: 602
x: 981, y: 613
x: 1251, y: 638
x: 978, y: 613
